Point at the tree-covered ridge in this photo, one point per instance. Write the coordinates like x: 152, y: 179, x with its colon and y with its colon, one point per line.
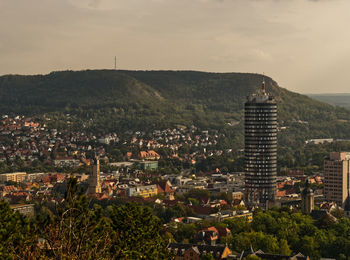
x: 337, y: 99
x: 122, y: 100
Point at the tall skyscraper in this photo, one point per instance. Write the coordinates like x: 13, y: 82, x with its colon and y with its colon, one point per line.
x: 94, y: 178
x: 336, y: 177
x: 260, y: 148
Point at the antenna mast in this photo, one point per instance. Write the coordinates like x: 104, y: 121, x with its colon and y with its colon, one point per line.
x: 263, y: 87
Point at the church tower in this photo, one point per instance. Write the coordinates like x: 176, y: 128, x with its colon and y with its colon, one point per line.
x: 347, y: 201
x: 94, y: 178
x: 347, y: 207
x: 307, y: 199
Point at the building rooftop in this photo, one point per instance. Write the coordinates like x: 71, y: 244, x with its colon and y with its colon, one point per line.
x: 261, y: 96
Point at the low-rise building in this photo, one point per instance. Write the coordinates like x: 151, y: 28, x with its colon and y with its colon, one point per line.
x: 229, y: 214
x: 34, y: 176
x: 142, y: 191
x: 15, y: 177
x: 25, y: 209
x: 193, y: 251
x: 66, y: 162
x: 149, y: 165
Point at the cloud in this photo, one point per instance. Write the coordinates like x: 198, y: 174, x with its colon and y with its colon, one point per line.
x: 291, y: 40
x: 95, y: 3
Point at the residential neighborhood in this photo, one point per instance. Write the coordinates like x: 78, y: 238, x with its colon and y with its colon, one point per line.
x: 138, y: 167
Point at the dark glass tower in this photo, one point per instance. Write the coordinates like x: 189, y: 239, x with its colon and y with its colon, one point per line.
x: 260, y: 148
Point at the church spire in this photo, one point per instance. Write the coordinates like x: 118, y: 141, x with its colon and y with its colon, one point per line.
x: 347, y: 201
x: 347, y: 206
x: 94, y: 178
x: 307, y: 198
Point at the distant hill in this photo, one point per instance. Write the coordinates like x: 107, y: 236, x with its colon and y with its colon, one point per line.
x: 109, y: 100
x: 337, y: 99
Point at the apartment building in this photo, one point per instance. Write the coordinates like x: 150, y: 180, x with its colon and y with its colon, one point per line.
x: 336, y: 177
x: 15, y: 177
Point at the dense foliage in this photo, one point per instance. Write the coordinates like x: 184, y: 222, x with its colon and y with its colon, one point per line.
x: 74, y: 229
x: 283, y: 231
x: 16, y: 235
x: 279, y: 231
x: 309, y: 157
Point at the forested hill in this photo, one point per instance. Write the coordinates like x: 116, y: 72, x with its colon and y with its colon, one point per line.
x: 335, y: 99
x: 122, y: 100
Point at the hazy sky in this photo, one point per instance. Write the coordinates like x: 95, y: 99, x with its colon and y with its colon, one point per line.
x: 303, y: 44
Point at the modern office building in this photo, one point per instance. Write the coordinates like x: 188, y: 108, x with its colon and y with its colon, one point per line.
x: 260, y: 148
x: 336, y: 177
x: 149, y: 165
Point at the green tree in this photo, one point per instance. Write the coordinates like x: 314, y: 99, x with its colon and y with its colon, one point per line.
x: 76, y: 231
x: 309, y: 247
x: 284, y: 247
x: 17, y: 237
x: 137, y: 234
x: 207, y: 256
x: 265, y: 242
x: 193, y: 201
x: 184, y: 231
x: 237, y: 225
x: 197, y: 194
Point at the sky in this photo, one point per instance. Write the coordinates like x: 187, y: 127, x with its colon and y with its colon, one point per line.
x: 302, y: 44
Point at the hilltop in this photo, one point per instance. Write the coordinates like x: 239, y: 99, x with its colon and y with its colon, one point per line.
x: 120, y: 100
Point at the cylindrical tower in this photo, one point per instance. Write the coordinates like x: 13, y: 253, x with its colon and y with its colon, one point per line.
x: 260, y: 148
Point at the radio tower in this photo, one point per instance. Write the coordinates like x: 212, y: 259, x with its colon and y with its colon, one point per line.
x: 115, y: 62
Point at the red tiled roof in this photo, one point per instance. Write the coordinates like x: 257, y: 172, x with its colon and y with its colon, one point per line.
x: 8, y: 188
x: 178, y: 220
x: 281, y: 193
x: 223, y: 232
x: 164, y: 187
x: 223, y: 202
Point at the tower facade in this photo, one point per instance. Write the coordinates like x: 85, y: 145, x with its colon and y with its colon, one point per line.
x: 307, y: 199
x: 94, y: 178
x: 337, y: 177
x: 260, y: 149
x: 347, y: 207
